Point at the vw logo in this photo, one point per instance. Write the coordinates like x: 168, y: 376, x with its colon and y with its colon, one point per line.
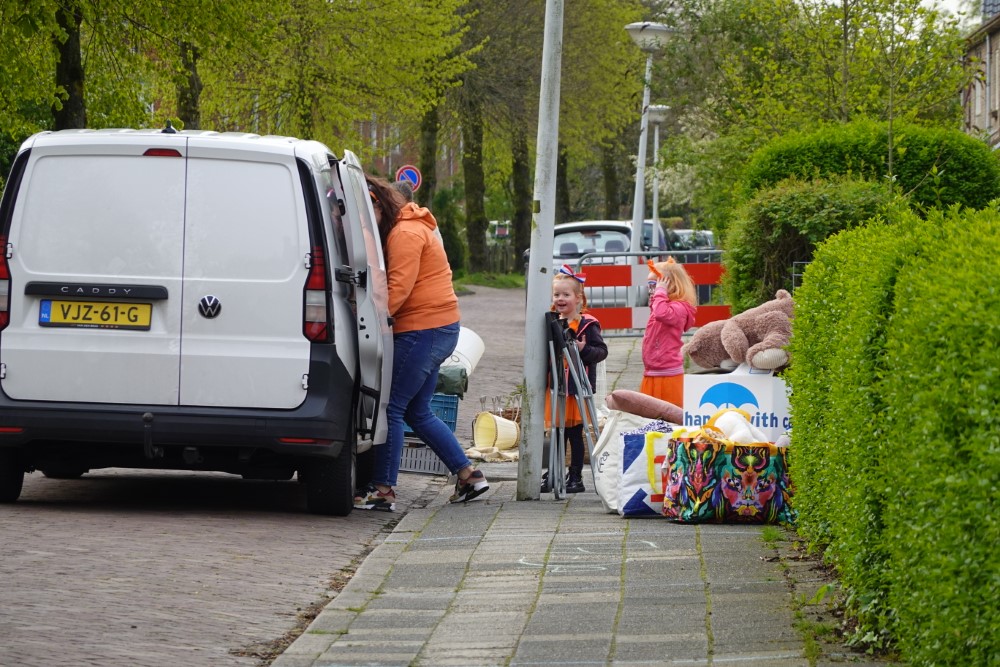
x: 209, y: 306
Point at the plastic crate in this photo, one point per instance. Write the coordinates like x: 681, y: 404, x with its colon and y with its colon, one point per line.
x: 417, y: 457
x: 445, y: 406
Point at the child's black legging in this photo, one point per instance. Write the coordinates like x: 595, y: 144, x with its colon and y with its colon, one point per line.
x: 574, y: 435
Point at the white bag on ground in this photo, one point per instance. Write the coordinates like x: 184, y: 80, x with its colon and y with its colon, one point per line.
x: 608, y: 454
x: 643, y: 454
x: 601, y: 391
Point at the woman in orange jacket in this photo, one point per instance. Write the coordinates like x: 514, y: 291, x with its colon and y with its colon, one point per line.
x: 424, y: 308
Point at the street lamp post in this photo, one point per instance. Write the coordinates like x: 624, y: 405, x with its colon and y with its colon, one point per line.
x: 539, y: 288
x: 657, y: 116
x: 649, y: 37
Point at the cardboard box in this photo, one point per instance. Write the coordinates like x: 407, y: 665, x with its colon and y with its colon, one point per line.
x: 759, y: 393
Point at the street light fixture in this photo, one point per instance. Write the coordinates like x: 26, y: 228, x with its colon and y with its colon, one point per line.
x: 649, y: 37
x: 657, y: 116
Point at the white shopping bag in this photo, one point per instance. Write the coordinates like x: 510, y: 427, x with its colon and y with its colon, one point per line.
x: 643, y: 454
x: 607, y: 454
x: 601, y: 392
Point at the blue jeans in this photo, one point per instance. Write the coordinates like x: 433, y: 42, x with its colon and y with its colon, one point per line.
x: 417, y: 356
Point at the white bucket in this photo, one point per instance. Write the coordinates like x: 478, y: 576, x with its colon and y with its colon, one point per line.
x: 489, y: 430
x: 468, y: 352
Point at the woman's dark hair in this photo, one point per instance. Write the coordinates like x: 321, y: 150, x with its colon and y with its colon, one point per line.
x: 388, y: 198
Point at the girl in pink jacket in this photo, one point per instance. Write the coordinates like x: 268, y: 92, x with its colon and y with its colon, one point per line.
x: 672, y: 301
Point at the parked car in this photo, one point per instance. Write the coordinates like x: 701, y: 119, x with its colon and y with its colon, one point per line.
x: 190, y: 300
x: 695, y: 239
x: 572, y: 240
x: 656, y: 236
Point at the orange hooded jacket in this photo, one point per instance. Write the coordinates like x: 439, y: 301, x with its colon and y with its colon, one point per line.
x: 421, y: 295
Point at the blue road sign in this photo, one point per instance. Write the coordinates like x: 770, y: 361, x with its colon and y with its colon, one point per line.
x: 409, y: 173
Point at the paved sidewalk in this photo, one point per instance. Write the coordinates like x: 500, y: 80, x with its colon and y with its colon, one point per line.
x: 505, y: 582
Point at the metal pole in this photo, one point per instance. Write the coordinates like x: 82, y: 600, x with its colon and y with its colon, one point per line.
x: 639, y: 201
x: 529, y: 465
x: 656, y: 174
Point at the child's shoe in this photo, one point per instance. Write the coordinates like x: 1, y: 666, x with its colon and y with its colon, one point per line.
x: 471, y: 487
x: 574, y: 481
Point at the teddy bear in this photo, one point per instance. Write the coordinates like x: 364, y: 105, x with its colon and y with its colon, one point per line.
x: 758, y: 336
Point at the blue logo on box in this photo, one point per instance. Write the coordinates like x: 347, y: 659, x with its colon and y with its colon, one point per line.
x: 728, y: 395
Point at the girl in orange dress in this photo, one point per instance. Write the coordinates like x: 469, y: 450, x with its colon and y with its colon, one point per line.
x: 569, y: 301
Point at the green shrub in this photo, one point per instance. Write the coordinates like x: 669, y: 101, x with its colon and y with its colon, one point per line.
x: 838, y: 357
x: 942, y: 523
x: 782, y: 225
x: 933, y: 166
x: 896, y: 444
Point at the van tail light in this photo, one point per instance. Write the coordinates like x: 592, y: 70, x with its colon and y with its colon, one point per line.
x: 162, y: 152
x: 4, y: 285
x: 305, y: 441
x: 315, y: 314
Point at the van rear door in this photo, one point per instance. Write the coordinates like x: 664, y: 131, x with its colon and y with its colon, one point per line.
x: 95, y: 254
x: 374, y: 332
x: 246, y: 248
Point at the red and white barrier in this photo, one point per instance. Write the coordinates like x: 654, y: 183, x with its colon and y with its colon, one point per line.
x: 634, y: 275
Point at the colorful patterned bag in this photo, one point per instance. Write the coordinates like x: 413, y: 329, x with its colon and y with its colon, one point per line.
x: 707, y: 478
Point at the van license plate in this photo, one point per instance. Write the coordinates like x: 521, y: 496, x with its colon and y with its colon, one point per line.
x: 95, y: 314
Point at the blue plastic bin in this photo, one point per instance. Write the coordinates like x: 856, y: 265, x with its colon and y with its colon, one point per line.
x: 445, y: 406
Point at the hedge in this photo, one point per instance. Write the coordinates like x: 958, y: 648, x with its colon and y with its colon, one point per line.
x: 933, y: 166
x: 782, y: 225
x: 942, y: 527
x: 895, y: 385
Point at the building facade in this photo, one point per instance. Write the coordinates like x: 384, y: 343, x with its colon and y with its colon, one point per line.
x: 981, y: 99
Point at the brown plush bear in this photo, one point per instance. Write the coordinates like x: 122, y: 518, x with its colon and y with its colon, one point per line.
x: 758, y: 336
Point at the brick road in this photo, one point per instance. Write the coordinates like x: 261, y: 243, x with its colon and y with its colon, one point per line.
x: 113, y: 569
x: 135, y: 568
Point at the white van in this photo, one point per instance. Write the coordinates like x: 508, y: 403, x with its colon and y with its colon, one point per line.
x: 190, y: 300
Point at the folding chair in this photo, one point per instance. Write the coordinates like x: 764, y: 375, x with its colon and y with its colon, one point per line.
x: 565, y: 363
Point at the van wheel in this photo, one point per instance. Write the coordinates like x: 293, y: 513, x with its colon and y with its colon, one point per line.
x: 11, y: 475
x: 64, y: 471
x: 330, y: 483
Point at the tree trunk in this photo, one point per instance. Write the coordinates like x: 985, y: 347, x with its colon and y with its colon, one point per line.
x: 189, y: 88
x: 563, y: 212
x: 522, y: 193
x: 475, y: 185
x: 612, y: 206
x: 429, y: 126
x: 72, y: 113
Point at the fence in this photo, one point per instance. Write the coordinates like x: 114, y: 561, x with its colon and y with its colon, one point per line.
x: 501, y: 258
x: 612, y: 287
x: 798, y: 271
